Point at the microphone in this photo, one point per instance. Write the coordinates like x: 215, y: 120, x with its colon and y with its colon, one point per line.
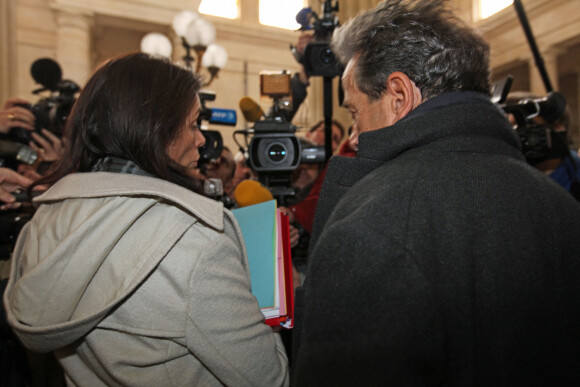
x: 17, y: 151
x: 47, y: 72
x: 250, y: 192
x: 213, y: 188
x: 549, y: 108
x: 251, y: 111
x: 303, y: 18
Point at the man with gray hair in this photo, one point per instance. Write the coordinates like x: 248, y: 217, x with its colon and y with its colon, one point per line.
x: 439, y: 256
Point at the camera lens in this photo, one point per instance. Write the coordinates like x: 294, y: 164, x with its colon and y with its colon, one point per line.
x: 326, y: 56
x: 277, y: 152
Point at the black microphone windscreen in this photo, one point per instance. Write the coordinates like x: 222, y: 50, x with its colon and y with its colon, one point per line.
x: 303, y: 17
x: 554, y: 106
x: 47, y: 72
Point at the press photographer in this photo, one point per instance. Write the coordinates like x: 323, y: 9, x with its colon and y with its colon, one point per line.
x: 50, y: 112
x: 14, y: 115
x: 317, y: 59
x: 32, y: 133
x: 542, y: 122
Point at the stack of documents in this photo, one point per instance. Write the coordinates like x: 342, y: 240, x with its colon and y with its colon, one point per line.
x: 267, y: 238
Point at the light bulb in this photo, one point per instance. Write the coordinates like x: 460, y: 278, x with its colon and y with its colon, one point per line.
x: 200, y: 32
x: 155, y: 43
x: 182, y: 20
x: 215, y: 56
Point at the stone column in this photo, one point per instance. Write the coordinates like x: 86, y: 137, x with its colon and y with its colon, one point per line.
x: 249, y: 12
x: 8, y: 54
x: 74, y: 43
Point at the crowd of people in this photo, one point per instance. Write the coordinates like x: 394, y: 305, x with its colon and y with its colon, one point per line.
x: 426, y: 251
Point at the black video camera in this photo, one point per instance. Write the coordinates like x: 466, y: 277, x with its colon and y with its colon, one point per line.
x: 540, y: 141
x: 274, y: 151
x: 274, y: 147
x: 52, y: 112
x: 318, y: 58
x: 533, y: 122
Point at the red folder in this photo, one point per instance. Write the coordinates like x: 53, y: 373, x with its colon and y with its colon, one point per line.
x: 286, y: 318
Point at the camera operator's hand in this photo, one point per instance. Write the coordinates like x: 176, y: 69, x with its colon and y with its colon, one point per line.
x: 303, y: 41
x: 12, y: 115
x: 294, y: 236
x: 48, y: 146
x: 287, y: 211
x: 294, y: 232
x: 11, y: 181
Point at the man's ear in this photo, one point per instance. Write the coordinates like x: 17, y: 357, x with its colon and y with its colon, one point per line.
x: 404, y: 95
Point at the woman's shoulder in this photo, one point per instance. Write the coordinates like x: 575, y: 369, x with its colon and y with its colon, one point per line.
x: 107, y: 184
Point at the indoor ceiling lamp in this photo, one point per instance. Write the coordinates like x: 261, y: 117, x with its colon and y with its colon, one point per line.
x: 198, y: 35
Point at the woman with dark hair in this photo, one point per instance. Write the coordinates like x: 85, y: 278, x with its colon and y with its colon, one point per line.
x: 128, y: 276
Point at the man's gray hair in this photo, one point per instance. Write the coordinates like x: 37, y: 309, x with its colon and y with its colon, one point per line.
x: 420, y: 38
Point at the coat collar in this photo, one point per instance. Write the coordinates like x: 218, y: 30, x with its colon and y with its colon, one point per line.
x: 443, y: 116
x: 102, y: 184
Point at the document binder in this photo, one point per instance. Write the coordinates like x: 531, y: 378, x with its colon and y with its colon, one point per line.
x: 266, y: 232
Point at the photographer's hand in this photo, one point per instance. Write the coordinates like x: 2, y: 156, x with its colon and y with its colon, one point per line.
x: 12, y: 115
x: 11, y: 181
x: 294, y: 236
x: 303, y: 41
x: 49, y: 147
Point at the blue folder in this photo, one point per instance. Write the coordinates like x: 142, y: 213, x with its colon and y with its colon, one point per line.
x: 258, y: 224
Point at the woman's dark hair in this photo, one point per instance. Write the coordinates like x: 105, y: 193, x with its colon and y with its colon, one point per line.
x: 133, y: 107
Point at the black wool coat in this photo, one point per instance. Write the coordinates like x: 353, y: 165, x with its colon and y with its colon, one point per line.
x: 440, y: 257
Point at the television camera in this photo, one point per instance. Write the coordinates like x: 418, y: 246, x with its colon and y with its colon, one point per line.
x: 213, y: 146
x: 274, y: 150
x: 535, y: 122
x: 535, y: 118
x: 318, y: 59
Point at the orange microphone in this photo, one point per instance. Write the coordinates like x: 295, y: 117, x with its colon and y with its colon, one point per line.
x: 251, y: 111
x: 250, y: 192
